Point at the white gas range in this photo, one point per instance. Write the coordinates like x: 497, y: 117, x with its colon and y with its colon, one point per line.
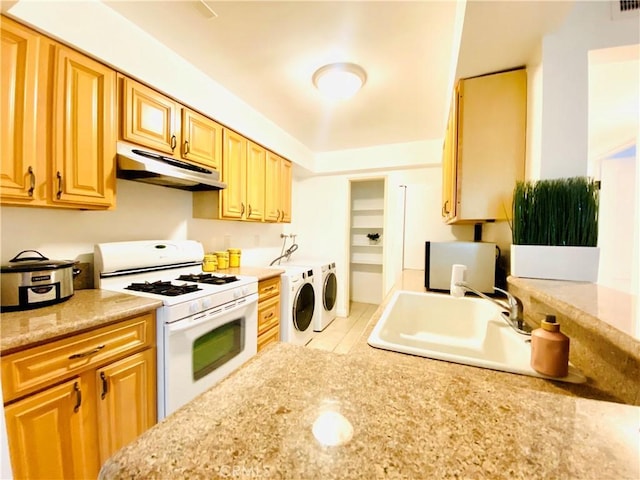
x: 207, y: 325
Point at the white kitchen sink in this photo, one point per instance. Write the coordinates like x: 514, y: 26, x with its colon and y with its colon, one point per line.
x: 464, y: 330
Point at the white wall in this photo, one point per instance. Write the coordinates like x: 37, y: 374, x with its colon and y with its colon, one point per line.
x: 564, y: 127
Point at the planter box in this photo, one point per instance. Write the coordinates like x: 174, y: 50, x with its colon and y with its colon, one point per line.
x: 555, y: 263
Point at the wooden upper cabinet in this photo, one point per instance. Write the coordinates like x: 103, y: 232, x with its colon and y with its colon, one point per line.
x: 148, y: 117
x: 285, y: 190
x: 234, y: 174
x: 83, y: 131
x: 278, y: 189
x: 201, y: 139
x: 18, y: 102
x: 484, y: 152
x: 255, y: 179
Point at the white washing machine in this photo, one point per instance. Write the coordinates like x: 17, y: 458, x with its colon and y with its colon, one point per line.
x: 297, y: 305
x: 326, y: 290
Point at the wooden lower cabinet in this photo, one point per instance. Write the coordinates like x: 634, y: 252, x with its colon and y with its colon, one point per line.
x: 268, y: 312
x: 126, y: 401
x: 50, y: 434
x: 69, y: 428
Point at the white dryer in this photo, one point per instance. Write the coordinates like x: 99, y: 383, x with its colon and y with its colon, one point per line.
x: 297, y: 305
x: 326, y: 289
x: 326, y: 275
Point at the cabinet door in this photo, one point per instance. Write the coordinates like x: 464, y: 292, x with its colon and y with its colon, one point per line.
x: 491, y: 144
x: 234, y: 174
x: 272, y: 188
x: 201, y: 139
x: 449, y: 164
x: 126, y: 400
x: 256, y: 157
x: 83, y: 130
x: 49, y: 436
x: 149, y: 118
x: 285, y: 190
x: 18, y: 104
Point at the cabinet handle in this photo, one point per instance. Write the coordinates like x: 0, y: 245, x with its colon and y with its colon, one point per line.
x: 268, y: 289
x: 283, y: 212
x: 242, y: 209
x: 86, y: 354
x: 186, y: 147
x: 278, y: 216
x: 269, y: 316
x: 445, y: 211
x: 59, y: 192
x: 174, y: 142
x: 32, y: 181
x: 76, y: 388
x: 249, y: 214
x: 105, y: 385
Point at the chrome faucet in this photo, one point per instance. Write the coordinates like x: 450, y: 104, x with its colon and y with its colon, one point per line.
x: 512, y: 305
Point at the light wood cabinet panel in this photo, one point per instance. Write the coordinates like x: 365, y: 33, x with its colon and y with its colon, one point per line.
x: 49, y: 435
x: 126, y: 401
x: 234, y: 174
x: 278, y: 189
x: 59, y: 423
x: 18, y: 103
x: 84, y: 130
x: 148, y: 117
x: 58, y: 124
x: 29, y: 370
x: 285, y: 190
x: 268, y: 311
x: 201, y: 139
x: 255, y: 180
x: 484, y: 150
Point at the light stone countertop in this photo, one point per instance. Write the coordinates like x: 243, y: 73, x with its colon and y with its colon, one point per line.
x: 261, y: 273
x: 412, y: 418
x: 85, y: 310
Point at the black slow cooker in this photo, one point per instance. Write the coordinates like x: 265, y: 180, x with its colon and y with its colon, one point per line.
x: 35, y: 281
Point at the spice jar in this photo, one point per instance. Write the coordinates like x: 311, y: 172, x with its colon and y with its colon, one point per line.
x: 550, y: 349
x: 223, y: 260
x: 210, y: 262
x: 234, y: 257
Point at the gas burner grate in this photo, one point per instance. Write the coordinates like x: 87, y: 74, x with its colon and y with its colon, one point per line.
x: 208, y: 278
x: 162, y: 288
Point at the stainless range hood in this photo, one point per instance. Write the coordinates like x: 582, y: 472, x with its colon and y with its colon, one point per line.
x: 150, y: 167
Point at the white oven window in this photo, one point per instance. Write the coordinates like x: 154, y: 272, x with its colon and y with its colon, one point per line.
x: 217, y: 347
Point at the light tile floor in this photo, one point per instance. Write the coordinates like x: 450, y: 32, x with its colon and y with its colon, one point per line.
x: 341, y: 334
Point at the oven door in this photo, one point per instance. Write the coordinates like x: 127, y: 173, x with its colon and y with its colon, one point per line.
x: 201, y: 350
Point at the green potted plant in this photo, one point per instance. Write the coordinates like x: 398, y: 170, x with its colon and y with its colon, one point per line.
x: 555, y: 229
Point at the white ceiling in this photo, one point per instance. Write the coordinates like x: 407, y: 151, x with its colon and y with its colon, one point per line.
x: 265, y: 52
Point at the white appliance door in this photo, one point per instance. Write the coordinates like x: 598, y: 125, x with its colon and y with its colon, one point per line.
x: 203, y: 349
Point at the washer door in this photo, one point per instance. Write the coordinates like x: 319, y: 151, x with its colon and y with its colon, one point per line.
x: 329, y: 291
x: 303, y: 306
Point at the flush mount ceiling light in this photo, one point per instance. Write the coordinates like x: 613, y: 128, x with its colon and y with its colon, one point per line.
x: 339, y: 80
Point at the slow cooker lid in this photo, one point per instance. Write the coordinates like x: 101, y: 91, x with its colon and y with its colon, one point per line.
x: 33, y: 263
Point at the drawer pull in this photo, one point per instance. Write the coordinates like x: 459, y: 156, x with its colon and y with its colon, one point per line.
x: 105, y: 385
x: 269, y: 316
x: 268, y: 289
x: 86, y: 354
x: 76, y: 388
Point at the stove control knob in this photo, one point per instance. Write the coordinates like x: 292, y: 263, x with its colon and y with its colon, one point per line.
x: 194, y: 307
x: 207, y: 303
x: 236, y: 293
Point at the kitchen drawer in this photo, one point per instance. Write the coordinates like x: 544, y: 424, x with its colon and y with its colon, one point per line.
x: 268, y: 288
x: 268, y: 337
x: 28, y: 370
x: 268, y: 314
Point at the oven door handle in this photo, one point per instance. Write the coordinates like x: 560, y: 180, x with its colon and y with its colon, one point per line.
x: 213, y: 314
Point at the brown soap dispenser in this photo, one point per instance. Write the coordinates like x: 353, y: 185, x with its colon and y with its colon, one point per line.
x: 550, y: 349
